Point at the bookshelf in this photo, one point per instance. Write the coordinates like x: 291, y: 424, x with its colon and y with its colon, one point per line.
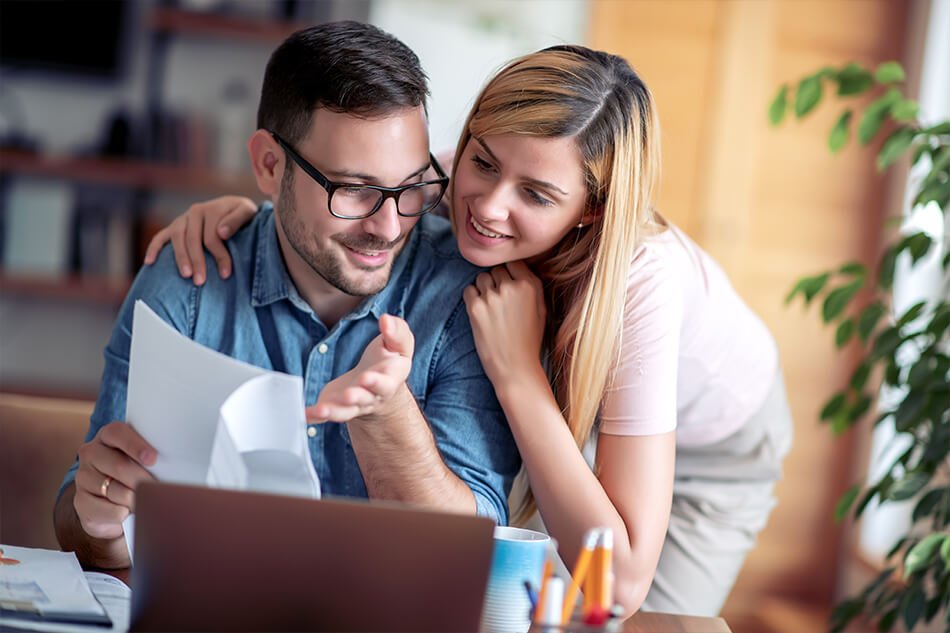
x: 142, y: 176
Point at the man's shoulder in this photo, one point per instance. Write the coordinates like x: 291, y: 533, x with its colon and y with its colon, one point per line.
x: 438, y: 251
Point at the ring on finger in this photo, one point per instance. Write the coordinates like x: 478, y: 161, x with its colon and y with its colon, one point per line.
x: 104, y: 488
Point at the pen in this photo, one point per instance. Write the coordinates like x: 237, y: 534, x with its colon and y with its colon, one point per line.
x: 549, y: 554
x: 579, y: 573
x: 532, y: 596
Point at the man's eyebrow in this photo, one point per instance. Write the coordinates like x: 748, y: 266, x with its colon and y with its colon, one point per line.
x: 370, y: 179
x: 541, y: 183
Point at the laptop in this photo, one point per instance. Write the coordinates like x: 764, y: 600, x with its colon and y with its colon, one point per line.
x: 219, y: 560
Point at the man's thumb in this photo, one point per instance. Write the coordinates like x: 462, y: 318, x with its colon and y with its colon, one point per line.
x: 397, y: 337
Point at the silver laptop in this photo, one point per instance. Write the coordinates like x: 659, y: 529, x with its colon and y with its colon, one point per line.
x: 218, y: 560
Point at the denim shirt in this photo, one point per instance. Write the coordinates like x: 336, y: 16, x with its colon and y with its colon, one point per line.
x: 257, y: 316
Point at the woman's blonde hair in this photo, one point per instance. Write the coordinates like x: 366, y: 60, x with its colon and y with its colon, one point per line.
x: 597, y: 99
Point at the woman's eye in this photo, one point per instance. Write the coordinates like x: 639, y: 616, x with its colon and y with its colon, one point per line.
x: 481, y: 164
x: 537, y: 198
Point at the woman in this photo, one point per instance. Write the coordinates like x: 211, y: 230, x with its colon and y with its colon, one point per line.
x: 601, y: 323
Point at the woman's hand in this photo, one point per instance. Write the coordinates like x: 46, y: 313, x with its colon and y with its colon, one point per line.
x: 507, y: 311
x: 205, y: 224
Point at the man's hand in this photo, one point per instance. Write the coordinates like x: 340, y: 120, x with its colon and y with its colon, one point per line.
x: 374, y: 386
x: 110, y: 467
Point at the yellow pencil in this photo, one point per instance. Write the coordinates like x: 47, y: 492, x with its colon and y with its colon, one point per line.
x: 579, y: 573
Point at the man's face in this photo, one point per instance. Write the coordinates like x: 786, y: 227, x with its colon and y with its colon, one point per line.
x: 353, y: 256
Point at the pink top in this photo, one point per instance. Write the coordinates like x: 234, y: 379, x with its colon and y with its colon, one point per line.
x: 693, y: 356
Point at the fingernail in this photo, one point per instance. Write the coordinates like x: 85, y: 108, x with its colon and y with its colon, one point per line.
x: 186, y: 271
x: 225, y: 273
x: 224, y: 231
x: 199, y: 279
x: 147, y: 457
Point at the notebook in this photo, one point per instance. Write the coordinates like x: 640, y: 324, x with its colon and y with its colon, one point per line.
x: 210, y: 559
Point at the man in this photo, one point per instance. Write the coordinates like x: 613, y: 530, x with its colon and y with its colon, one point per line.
x: 330, y: 283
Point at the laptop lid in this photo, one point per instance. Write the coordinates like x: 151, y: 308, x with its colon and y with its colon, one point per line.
x: 219, y: 560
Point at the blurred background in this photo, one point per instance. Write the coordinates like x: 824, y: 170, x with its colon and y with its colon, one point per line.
x: 110, y: 129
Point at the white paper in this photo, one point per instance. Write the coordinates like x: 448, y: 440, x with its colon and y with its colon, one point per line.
x: 52, y: 582
x: 214, y: 420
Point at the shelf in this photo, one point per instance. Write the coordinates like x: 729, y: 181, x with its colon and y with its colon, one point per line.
x: 217, y: 25
x: 129, y: 173
x: 97, y: 290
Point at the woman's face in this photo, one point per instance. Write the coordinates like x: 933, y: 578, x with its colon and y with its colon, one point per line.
x: 515, y: 197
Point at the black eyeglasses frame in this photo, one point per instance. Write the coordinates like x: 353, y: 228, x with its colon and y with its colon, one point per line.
x: 387, y: 192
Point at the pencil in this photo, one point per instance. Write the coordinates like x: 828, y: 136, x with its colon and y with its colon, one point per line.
x: 579, y: 573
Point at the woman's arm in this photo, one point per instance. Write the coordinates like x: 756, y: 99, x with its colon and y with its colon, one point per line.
x: 631, y: 491
x: 203, y: 225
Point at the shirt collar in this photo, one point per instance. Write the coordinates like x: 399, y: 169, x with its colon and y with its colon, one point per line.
x: 272, y: 282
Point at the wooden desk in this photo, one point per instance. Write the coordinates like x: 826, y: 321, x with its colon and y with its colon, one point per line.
x: 640, y: 622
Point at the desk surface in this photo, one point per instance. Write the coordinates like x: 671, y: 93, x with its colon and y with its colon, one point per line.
x: 640, y: 622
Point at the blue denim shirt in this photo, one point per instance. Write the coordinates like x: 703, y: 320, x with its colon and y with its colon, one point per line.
x: 257, y: 316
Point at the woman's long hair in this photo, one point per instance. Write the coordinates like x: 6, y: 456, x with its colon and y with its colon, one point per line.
x: 597, y: 99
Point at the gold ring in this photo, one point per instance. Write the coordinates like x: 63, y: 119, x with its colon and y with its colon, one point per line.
x: 104, y: 488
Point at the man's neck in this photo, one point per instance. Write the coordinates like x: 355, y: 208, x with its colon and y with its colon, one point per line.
x: 328, y: 302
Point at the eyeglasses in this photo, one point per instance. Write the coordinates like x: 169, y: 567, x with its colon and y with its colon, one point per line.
x: 349, y: 201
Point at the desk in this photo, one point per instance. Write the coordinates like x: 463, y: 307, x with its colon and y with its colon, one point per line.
x: 640, y: 622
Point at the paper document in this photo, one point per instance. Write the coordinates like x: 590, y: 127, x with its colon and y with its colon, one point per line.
x: 46, y: 586
x: 215, y: 420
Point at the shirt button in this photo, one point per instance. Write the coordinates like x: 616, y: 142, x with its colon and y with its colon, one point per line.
x: 322, y: 348
x: 311, y: 431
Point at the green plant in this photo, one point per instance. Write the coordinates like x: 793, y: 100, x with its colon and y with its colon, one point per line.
x: 906, y: 354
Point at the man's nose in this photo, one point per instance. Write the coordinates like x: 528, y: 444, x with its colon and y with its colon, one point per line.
x: 385, y: 223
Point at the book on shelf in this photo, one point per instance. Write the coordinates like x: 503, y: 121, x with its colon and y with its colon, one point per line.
x: 37, y: 220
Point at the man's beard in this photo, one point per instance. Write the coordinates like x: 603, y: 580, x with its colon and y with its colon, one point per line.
x: 324, y: 262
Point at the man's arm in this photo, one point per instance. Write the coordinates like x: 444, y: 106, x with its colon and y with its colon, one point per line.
x: 395, y: 449
x: 98, y: 491
x: 457, y: 456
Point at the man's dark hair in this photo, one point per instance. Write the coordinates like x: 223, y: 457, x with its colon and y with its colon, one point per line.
x: 342, y: 66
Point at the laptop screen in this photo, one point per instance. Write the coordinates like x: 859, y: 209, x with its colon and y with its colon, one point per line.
x: 212, y: 559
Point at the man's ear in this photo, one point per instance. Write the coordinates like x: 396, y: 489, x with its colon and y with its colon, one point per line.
x: 267, y: 161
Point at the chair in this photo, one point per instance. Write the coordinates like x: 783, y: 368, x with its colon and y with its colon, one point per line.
x: 39, y: 438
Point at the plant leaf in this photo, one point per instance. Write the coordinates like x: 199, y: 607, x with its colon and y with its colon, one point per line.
x: 844, y: 612
x: 918, y: 244
x: 895, y: 145
x: 938, y: 168
x: 855, y: 269
x: 840, y: 132
x: 885, y: 274
x: 912, y: 605
x: 860, y: 408
x: 940, y: 128
x: 807, y: 95
x: 945, y: 552
x: 889, y: 72
x: 927, y: 503
x: 887, y: 341
x: 832, y: 407
x: 843, y: 333
x: 905, y: 110
x: 846, y: 501
x: 838, y: 299
x: 866, y: 499
x: 910, y: 409
x: 809, y: 287
x: 920, y: 553
x: 870, y: 315
x: 875, y: 114
x: 778, y: 106
x: 860, y: 376
x: 853, y: 80
x: 912, y: 313
x: 907, y: 487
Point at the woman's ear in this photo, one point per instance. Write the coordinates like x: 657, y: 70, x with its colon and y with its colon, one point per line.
x: 267, y: 161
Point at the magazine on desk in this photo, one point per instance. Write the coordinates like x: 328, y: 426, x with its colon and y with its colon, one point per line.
x: 215, y: 420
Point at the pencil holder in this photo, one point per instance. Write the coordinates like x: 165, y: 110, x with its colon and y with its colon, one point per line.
x: 576, y: 625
